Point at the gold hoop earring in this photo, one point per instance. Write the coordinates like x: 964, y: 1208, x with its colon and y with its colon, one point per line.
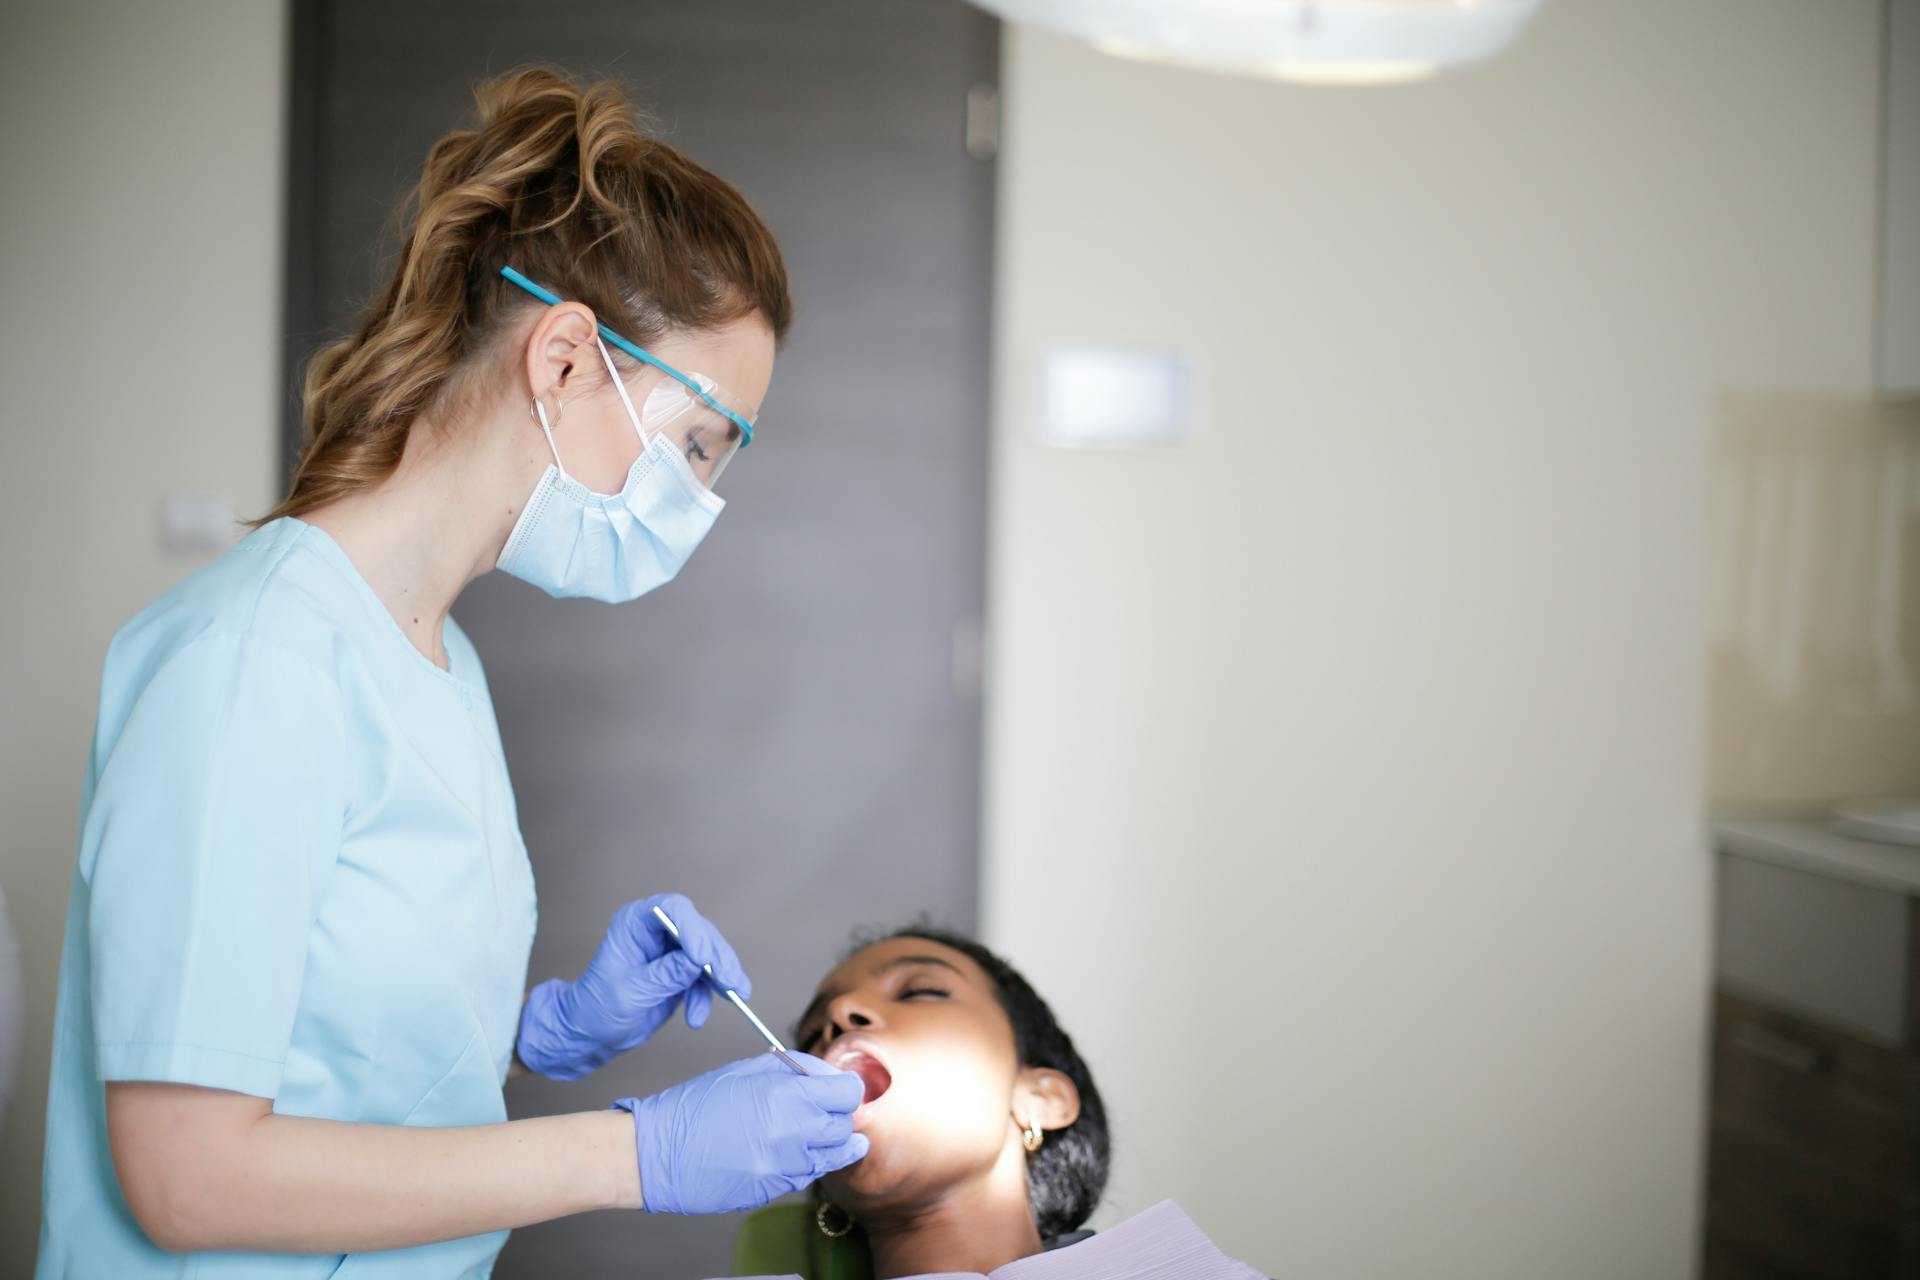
x: 832, y: 1220
x: 1031, y: 1136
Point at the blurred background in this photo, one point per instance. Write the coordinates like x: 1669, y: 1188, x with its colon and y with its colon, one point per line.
x: 1369, y: 595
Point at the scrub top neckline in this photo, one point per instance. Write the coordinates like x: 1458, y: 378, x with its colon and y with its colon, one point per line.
x: 337, y: 555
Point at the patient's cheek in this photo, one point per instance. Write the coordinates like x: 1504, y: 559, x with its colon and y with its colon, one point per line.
x: 966, y: 1088
x: 948, y: 1102
x: 942, y: 1121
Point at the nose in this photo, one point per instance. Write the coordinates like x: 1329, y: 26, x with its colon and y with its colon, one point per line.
x: 848, y: 1013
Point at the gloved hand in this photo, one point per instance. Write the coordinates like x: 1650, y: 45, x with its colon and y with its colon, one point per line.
x: 636, y: 980
x: 745, y: 1134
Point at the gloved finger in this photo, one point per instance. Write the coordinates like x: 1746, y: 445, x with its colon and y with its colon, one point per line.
x: 793, y: 1161
x: 666, y: 977
x: 642, y: 931
x: 699, y: 1004
x: 758, y: 1064
x: 833, y: 1129
x: 834, y: 1090
x: 817, y: 1067
x: 703, y: 941
x: 827, y: 1159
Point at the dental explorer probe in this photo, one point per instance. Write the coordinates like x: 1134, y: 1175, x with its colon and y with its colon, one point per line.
x: 738, y: 1003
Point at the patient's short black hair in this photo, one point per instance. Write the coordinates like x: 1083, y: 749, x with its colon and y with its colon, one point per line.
x: 1067, y: 1175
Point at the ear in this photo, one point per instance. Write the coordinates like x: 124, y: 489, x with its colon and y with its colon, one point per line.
x: 560, y: 350
x: 1045, y: 1097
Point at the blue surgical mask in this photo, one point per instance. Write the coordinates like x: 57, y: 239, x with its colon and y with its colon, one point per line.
x: 571, y: 541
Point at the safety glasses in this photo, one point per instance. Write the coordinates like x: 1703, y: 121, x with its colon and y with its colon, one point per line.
x: 687, y: 408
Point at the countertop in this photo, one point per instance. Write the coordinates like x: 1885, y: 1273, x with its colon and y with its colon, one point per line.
x: 1808, y: 844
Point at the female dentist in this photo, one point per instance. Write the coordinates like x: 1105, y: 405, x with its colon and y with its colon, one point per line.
x: 296, y: 950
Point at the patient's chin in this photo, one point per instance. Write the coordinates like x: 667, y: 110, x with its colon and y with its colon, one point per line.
x: 864, y: 1185
x: 907, y: 1165
x: 888, y: 1171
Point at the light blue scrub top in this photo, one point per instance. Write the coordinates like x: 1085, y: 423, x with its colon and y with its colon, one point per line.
x: 300, y: 876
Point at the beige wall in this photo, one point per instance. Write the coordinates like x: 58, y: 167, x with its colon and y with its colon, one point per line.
x: 1816, y: 601
x: 1345, y: 768
x: 140, y: 246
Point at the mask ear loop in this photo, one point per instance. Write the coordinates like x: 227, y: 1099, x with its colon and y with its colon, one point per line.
x: 546, y: 429
x: 706, y: 496
x: 620, y: 385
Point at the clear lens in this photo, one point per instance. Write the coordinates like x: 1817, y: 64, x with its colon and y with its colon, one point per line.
x: 705, y: 438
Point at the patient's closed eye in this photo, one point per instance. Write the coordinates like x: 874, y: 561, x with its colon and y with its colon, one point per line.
x: 933, y: 992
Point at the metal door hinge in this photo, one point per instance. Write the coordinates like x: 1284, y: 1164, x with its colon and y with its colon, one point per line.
x: 967, y: 659
x: 983, y: 121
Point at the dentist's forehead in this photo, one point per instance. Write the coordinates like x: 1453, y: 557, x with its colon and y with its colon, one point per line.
x: 738, y: 355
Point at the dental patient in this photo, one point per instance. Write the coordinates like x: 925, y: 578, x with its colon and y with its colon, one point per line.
x: 989, y: 1138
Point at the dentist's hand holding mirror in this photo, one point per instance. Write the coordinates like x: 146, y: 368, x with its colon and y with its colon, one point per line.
x: 745, y: 1134
x: 638, y: 977
x: 734, y: 1138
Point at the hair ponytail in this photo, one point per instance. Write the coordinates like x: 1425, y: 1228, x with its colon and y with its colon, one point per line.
x: 560, y: 181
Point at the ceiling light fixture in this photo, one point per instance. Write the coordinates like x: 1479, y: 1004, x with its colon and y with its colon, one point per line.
x: 1305, y: 41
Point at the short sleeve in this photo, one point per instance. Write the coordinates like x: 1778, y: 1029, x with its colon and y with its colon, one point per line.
x: 213, y: 831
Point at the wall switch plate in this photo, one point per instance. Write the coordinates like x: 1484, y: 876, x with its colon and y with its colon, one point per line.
x: 1114, y: 397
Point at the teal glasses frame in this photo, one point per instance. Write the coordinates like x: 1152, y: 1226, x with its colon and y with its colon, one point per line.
x: 641, y: 354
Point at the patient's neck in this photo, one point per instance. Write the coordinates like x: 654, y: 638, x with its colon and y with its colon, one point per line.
x: 980, y: 1225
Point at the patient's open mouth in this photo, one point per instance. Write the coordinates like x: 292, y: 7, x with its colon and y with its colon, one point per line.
x: 862, y: 1058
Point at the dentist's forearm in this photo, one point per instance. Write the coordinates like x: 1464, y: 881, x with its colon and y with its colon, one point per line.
x: 205, y: 1169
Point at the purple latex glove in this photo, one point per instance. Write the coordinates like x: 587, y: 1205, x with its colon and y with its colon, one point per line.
x: 636, y: 980
x: 745, y: 1134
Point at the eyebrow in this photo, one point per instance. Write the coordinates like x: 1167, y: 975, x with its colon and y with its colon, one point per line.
x: 898, y: 962
x: 901, y: 962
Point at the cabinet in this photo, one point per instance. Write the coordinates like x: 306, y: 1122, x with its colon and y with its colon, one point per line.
x: 1808, y: 1169
x: 1814, y: 1111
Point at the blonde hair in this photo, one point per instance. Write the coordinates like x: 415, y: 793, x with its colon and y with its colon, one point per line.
x: 560, y: 181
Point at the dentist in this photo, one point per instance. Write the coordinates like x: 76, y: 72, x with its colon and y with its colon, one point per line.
x: 295, y: 970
